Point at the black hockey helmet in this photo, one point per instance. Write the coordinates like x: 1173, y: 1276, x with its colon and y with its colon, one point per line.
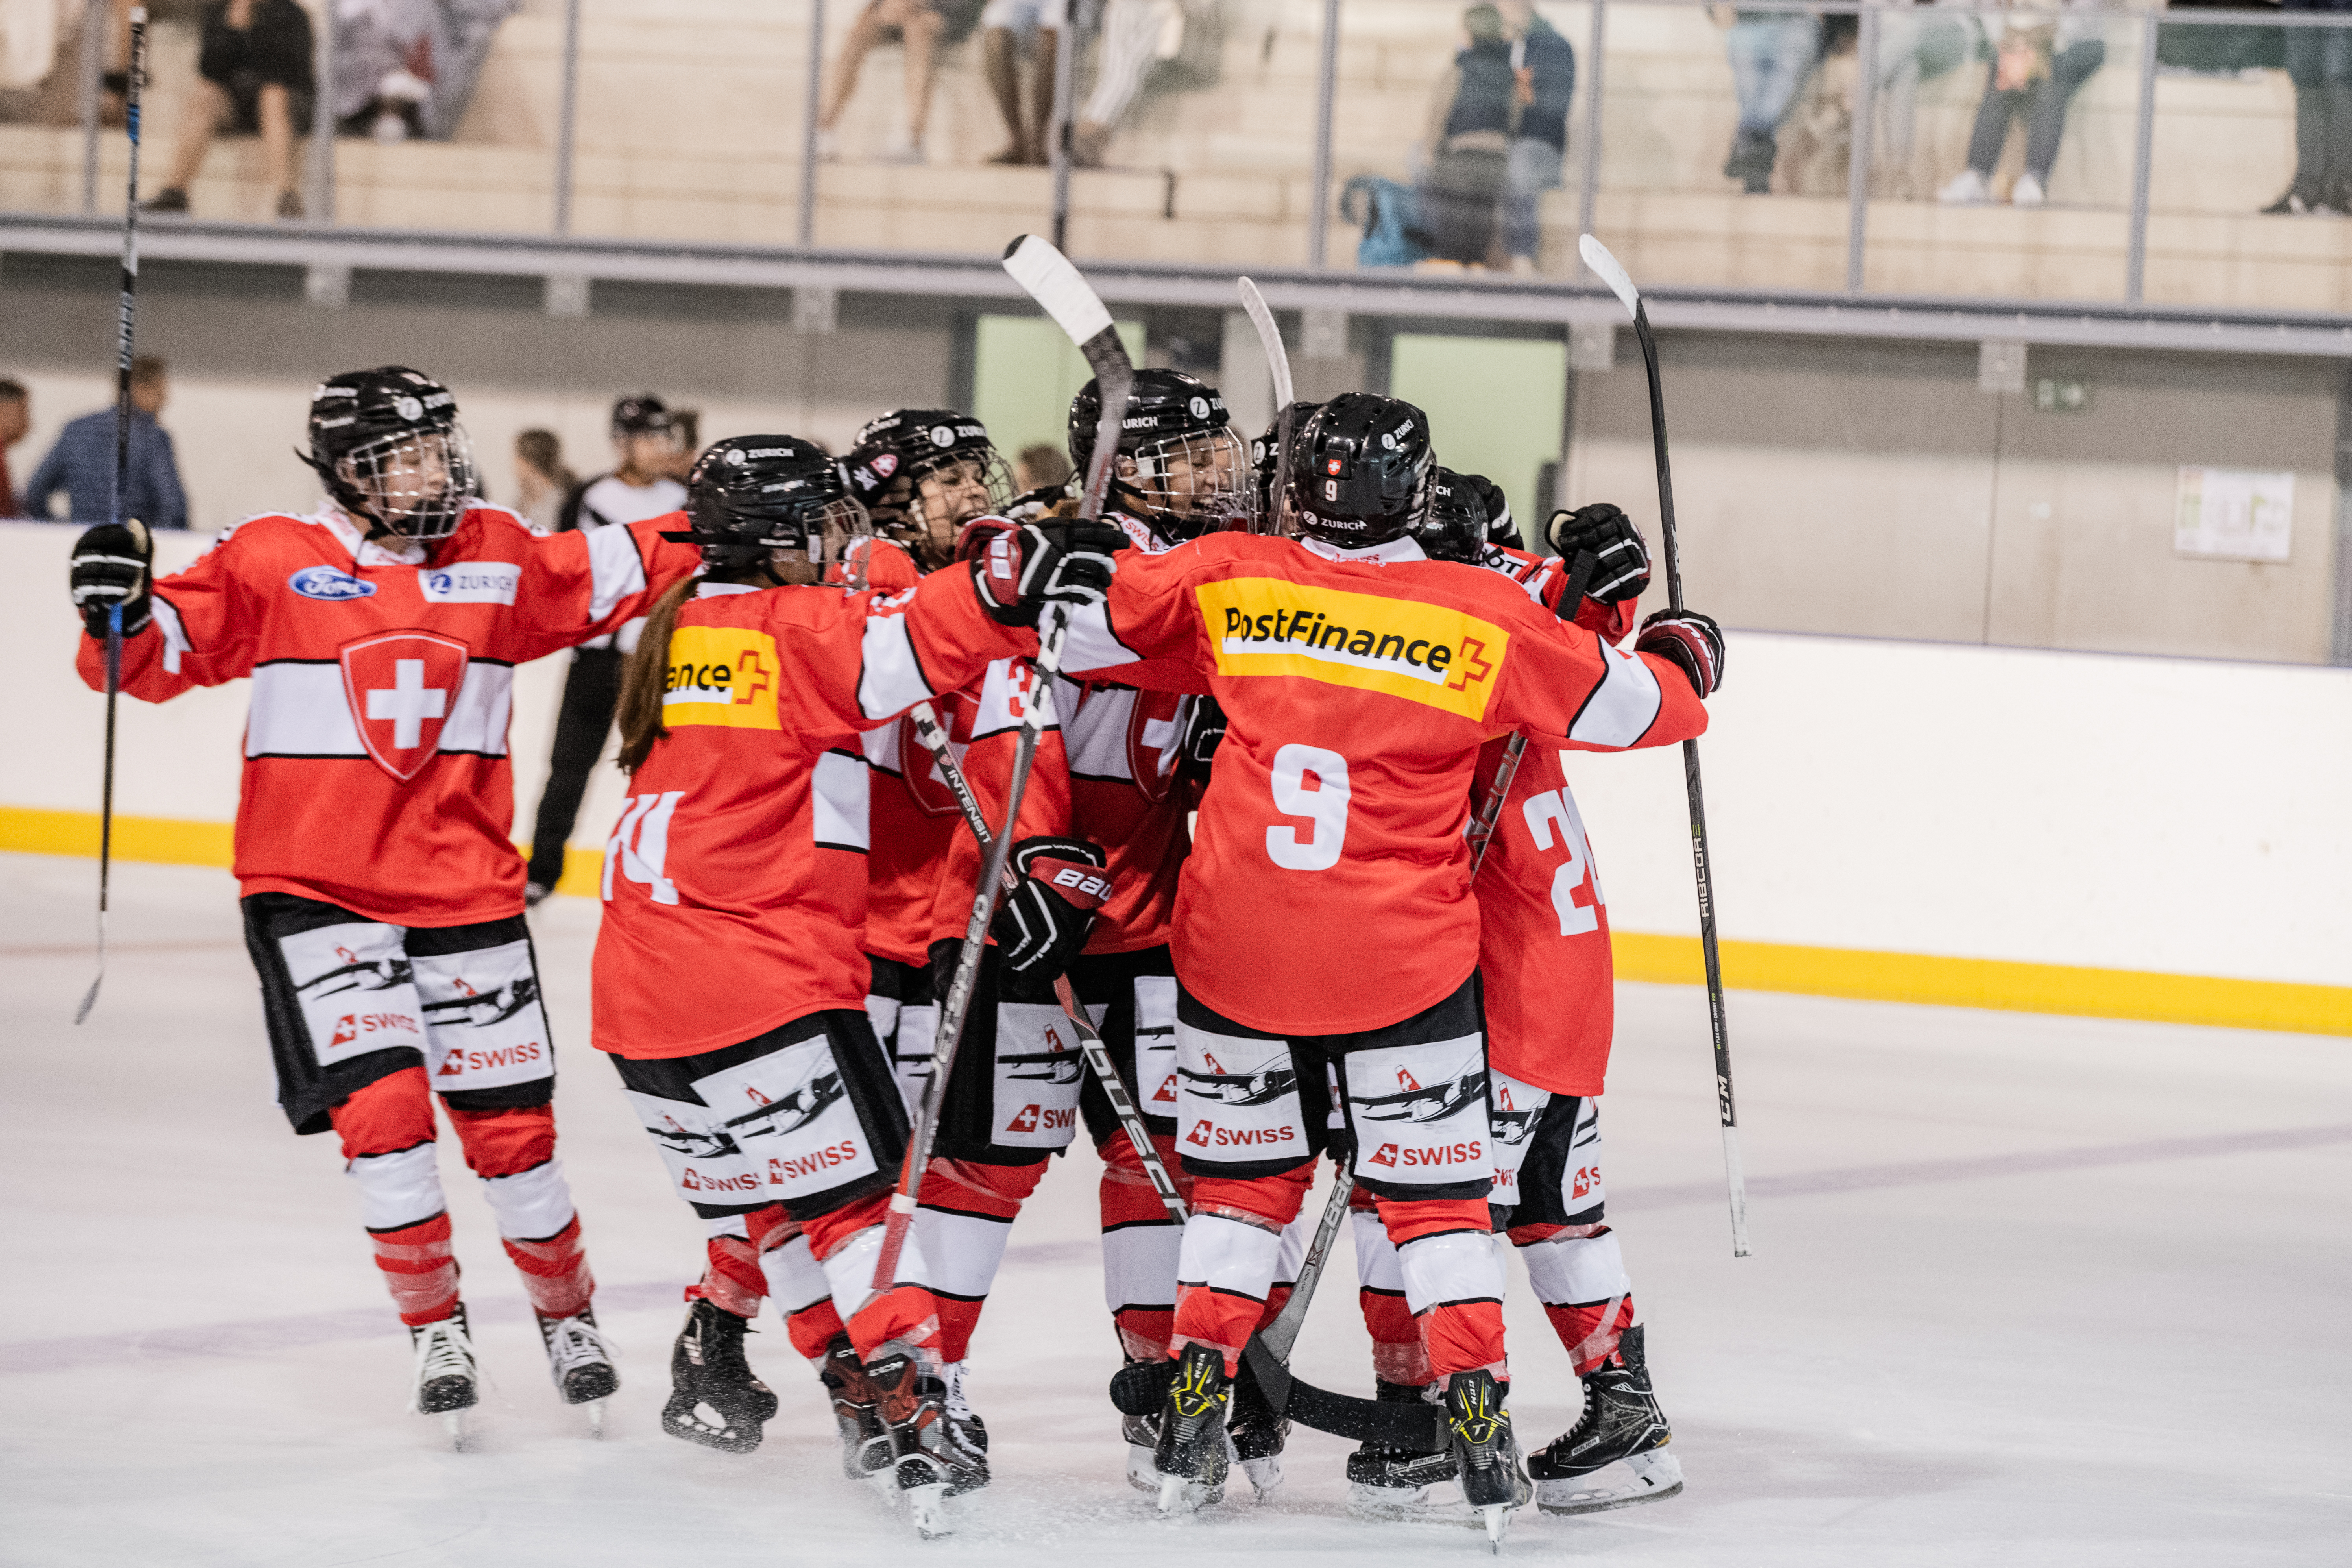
x: 1454, y: 528
x: 923, y: 472
x: 750, y: 496
x: 642, y: 414
x: 387, y: 445
x: 1265, y: 454
x: 1360, y: 471
x: 1190, y: 474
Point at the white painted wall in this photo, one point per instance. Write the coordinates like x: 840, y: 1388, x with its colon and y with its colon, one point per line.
x: 2172, y: 814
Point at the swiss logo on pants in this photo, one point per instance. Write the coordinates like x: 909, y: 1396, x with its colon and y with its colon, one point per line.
x: 1239, y: 1097
x: 791, y: 1116
x: 1039, y: 1071
x: 483, y: 1015
x: 356, y: 988
x: 1420, y: 1112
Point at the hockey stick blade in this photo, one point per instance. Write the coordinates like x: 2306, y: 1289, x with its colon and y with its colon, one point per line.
x: 1621, y: 282
x: 1277, y: 358
x: 1057, y: 285
x: 1140, y: 1388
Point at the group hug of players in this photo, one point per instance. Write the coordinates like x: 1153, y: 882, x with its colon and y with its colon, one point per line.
x: 1284, y: 688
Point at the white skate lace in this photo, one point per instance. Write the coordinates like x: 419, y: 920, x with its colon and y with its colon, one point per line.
x: 442, y: 1351
x: 957, y: 1408
x: 574, y: 1342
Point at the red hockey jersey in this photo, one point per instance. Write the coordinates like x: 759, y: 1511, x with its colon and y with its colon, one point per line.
x: 1543, y: 931
x: 375, y: 748
x: 735, y: 881
x: 1328, y: 889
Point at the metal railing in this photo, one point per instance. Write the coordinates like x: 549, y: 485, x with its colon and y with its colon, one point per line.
x: 1586, y: 144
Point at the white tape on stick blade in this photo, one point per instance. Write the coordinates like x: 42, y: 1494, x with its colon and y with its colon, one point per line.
x: 1270, y: 336
x: 1596, y: 255
x: 1054, y: 284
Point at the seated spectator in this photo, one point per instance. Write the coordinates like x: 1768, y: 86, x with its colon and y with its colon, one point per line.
x: 1132, y: 36
x: 924, y: 27
x: 2036, y: 65
x: 542, y: 481
x: 1037, y: 467
x: 82, y: 465
x: 15, y: 418
x: 1462, y: 159
x: 254, y: 69
x: 1772, y: 53
x: 2319, y: 64
x: 1916, y: 45
x: 1543, y: 68
x: 408, y: 68
x: 1005, y: 26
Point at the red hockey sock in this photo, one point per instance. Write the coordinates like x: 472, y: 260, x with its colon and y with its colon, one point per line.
x: 1398, y: 1354
x: 1140, y: 1244
x: 1446, y: 1249
x: 419, y: 1269
x: 813, y: 1328
x: 1234, y: 1242
x: 1592, y: 1332
x: 554, y: 1271
x: 968, y: 1210
x: 732, y: 1279
x: 908, y: 1312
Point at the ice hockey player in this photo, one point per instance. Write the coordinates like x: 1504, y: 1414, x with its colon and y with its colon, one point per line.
x: 382, y: 898
x: 1360, y: 682
x: 922, y: 475
x: 1548, y: 983
x: 739, y: 851
x: 1107, y: 776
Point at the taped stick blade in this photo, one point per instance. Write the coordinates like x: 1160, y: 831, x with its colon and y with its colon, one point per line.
x: 1596, y: 255
x: 1055, y: 285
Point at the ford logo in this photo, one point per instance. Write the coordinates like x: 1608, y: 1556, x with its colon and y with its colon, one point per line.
x: 327, y: 582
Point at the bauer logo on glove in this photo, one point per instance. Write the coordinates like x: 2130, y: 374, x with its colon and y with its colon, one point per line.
x: 1046, y: 919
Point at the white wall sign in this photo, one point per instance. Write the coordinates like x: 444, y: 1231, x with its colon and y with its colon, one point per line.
x: 2234, y: 514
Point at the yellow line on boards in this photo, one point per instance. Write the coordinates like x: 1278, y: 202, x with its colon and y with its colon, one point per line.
x: 1996, y: 984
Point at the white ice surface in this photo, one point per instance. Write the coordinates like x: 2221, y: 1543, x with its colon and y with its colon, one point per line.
x: 2025, y: 1290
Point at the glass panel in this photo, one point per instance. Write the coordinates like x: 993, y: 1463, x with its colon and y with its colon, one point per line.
x: 2004, y: 153
x: 48, y: 85
x: 1457, y: 136
x: 477, y: 151
x: 2243, y: 117
x: 1194, y: 130
x: 691, y: 119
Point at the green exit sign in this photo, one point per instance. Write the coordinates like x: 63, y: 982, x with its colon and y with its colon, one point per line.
x: 2057, y: 394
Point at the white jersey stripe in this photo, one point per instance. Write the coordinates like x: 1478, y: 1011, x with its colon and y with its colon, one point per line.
x: 839, y: 795
x: 892, y: 679
x: 615, y: 571
x: 1623, y: 706
x: 301, y: 710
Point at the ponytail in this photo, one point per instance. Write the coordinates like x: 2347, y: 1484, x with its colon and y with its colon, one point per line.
x: 646, y: 677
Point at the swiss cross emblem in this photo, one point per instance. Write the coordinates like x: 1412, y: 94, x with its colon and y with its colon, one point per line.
x: 402, y: 687
x: 1154, y: 738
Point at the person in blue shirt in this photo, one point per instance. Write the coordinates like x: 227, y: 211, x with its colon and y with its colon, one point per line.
x: 82, y: 462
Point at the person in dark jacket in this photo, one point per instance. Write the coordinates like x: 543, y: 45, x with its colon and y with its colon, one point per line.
x: 1543, y: 70
x: 254, y: 63
x: 82, y: 462
x: 1467, y: 146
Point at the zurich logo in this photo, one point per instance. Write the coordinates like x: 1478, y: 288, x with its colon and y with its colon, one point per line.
x: 327, y: 582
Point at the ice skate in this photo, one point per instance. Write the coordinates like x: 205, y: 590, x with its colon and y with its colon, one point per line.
x: 1257, y: 1436
x: 967, y: 1438
x: 913, y: 1402
x: 1193, y: 1456
x: 1622, y: 1424
x: 709, y: 1375
x: 856, y: 1410
x: 1492, y: 1482
x: 445, y: 1380
x: 581, y: 1363
x: 1385, y: 1482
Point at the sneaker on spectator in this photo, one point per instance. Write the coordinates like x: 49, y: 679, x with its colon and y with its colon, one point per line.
x: 1523, y: 266
x: 1967, y: 189
x: 2027, y: 192
x: 170, y: 199
x: 290, y: 205
x: 901, y: 151
x: 827, y: 147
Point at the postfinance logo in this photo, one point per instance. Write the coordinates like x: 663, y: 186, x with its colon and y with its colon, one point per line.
x: 721, y: 674
x: 1424, y: 653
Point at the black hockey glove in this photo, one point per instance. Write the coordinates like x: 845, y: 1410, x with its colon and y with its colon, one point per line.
x: 1620, y: 561
x: 1044, y: 922
x: 113, y: 564
x: 1204, y: 731
x: 1502, y: 528
x: 1047, y: 561
x: 1691, y: 640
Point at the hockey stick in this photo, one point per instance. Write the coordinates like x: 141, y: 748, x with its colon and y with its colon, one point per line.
x: 1091, y: 1044
x: 1482, y: 827
x: 1277, y: 360
x: 1055, y: 285
x: 126, y: 322
x: 1596, y: 255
